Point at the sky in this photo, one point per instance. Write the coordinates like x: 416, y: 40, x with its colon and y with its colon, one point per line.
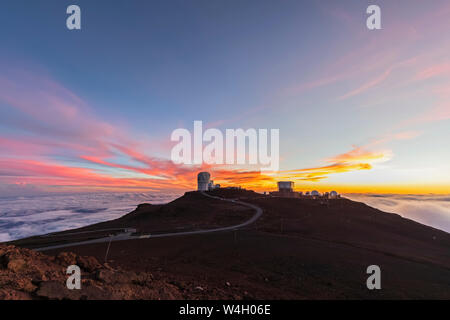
x: 92, y: 110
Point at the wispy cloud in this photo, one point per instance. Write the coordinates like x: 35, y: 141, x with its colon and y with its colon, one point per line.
x: 372, y: 83
x: 97, y: 153
x: 437, y: 111
x: 358, y: 158
x: 57, y: 140
x: 359, y: 154
x: 377, y: 80
x: 433, y: 71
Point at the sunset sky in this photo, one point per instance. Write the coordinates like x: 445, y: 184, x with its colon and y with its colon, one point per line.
x: 93, y: 110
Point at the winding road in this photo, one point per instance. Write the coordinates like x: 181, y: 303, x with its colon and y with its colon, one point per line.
x: 129, y: 234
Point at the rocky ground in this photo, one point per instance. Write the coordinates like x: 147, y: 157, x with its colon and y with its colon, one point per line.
x: 26, y: 274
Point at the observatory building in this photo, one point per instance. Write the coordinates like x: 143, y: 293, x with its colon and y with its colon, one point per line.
x: 203, y: 181
x: 285, y: 186
x: 285, y: 189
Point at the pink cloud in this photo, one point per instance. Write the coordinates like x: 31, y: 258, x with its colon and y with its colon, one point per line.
x: 439, y: 111
x: 49, y: 108
x: 379, y: 79
x: 33, y: 172
x: 372, y: 83
x: 433, y: 71
x: 60, y: 125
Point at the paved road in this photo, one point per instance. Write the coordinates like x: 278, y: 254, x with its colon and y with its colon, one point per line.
x: 128, y: 235
x: 59, y: 234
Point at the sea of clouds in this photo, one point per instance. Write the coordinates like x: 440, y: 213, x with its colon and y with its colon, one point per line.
x: 34, y: 215
x: 431, y: 210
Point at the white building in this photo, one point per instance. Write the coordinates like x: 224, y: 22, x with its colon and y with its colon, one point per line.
x: 203, y: 180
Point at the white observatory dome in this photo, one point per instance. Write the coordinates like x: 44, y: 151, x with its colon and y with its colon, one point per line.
x: 315, y: 193
x: 333, y: 194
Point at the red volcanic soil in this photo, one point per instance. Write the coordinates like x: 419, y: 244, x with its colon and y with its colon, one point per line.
x: 26, y: 275
x: 298, y: 249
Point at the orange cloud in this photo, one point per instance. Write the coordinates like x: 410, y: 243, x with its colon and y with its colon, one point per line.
x: 16, y: 171
x: 358, y: 158
x: 357, y: 154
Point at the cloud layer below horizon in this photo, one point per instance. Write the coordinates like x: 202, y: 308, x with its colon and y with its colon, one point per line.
x: 431, y: 210
x: 27, y: 216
